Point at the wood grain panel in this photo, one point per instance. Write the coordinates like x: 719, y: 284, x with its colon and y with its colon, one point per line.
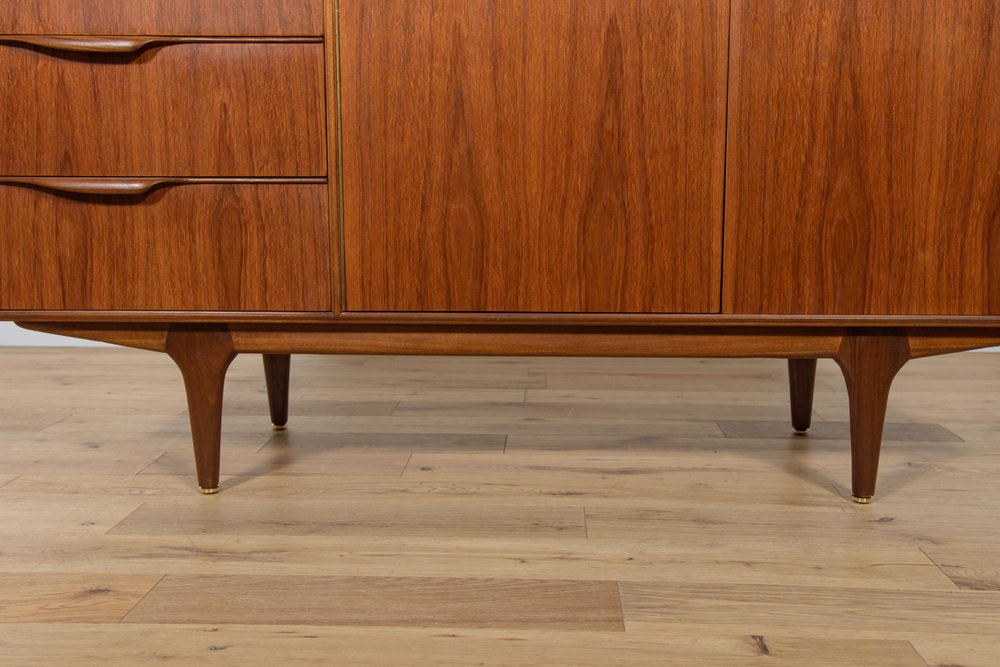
x: 100, y: 645
x: 837, y: 430
x: 957, y: 650
x: 163, y: 17
x: 401, y: 601
x: 179, y: 110
x: 864, y: 158
x: 533, y: 155
x: 71, y: 598
x: 688, y: 558
x: 664, y: 342
x: 390, y: 517
x: 197, y: 247
x: 972, y: 567
x: 664, y: 604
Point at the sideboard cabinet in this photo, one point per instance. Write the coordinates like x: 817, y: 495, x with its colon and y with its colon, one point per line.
x: 798, y: 179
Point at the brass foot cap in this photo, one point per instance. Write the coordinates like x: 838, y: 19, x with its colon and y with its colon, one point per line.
x: 867, y: 500
x: 209, y: 492
x: 800, y: 431
x: 279, y: 427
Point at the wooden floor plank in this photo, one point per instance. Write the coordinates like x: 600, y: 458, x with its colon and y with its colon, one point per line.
x: 718, y: 399
x: 31, y: 421
x: 400, y: 517
x: 838, y: 430
x: 971, y: 566
x: 656, y: 603
x: 321, y: 443
x: 262, y: 646
x: 70, y: 598
x: 740, y: 560
x: 314, y: 395
x: 255, y: 459
x: 954, y: 650
x: 57, y: 514
x: 663, y: 489
x: 382, y: 601
x: 494, y: 410
x: 110, y: 453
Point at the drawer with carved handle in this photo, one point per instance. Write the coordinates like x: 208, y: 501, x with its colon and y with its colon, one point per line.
x: 162, y: 106
x: 289, y: 18
x: 180, y: 244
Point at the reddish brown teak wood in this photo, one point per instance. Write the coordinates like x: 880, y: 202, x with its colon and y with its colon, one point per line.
x: 533, y: 155
x: 203, y: 355
x: 163, y: 17
x: 801, y: 383
x: 863, y: 158
x: 870, y: 361
x: 231, y: 109
x: 194, y: 247
x: 277, y: 371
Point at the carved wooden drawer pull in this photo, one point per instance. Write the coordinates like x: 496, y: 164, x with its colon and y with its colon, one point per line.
x: 137, y: 186
x: 106, y: 44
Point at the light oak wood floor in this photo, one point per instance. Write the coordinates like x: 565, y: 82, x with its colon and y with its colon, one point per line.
x: 429, y: 511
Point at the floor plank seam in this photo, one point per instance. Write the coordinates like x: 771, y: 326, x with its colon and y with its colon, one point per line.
x: 941, y: 569
x: 917, y: 653
x: 621, y: 605
x: 125, y: 518
x: 57, y: 422
x: 151, y: 463
x: 139, y: 601
x: 406, y: 465
x: 264, y: 445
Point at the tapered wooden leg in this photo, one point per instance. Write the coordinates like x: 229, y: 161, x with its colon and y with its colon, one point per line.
x: 870, y: 361
x: 801, y: 381
x: 277, y: 371
x: 203, y: 355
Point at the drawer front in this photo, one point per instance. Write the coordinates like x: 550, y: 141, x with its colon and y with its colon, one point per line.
x: 162, y: 17
x: 204, y: 109
x: 195, y: 247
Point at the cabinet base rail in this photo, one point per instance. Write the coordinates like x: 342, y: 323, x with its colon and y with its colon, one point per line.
x: 869, y: 357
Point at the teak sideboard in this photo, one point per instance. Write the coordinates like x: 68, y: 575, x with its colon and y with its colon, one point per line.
x: 798, y: 179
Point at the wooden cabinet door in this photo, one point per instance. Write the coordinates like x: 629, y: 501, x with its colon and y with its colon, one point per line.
x: 863, y: 168
x: 533, y: 155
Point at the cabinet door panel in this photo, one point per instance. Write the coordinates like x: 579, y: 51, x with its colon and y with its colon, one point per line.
x: 864, y: 158
x: 533, y: 155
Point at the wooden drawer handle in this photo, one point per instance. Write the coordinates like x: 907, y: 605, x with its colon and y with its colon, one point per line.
x: 89, y: 44
x: 137, y: 186
x: 84, y: 44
